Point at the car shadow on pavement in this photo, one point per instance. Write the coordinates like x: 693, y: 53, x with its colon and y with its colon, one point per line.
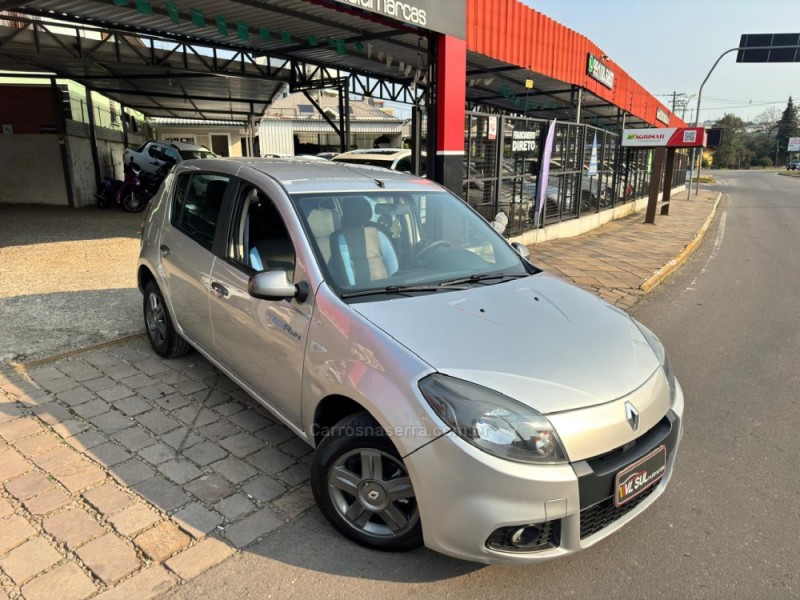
x: 125, y: 468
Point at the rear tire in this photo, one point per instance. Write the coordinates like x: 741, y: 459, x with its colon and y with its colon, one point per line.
x: 102, y: 199
x: 160, y: 331
x: 363, y: 488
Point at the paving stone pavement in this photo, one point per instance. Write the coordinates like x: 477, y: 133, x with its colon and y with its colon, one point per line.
x: 614, y: 260
x: 123, y: 475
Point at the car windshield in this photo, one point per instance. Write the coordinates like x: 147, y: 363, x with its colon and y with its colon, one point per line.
x: 397, y: 239
x: 202, y: 153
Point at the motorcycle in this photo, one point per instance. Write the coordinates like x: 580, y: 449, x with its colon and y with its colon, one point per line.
x: 126, y: 193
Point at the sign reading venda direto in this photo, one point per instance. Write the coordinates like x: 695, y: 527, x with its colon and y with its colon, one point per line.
x: 444, y: 17
x: 667, y: 137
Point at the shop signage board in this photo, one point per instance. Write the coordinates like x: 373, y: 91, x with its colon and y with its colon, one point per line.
x: 665, y: 137
x: 434, y: 15
x: 599, y: 71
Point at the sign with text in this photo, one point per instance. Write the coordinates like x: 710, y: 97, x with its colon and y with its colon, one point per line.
x: 434, y: 15
x: 794, y: 144
x: 667, y: 137
x: 523, y: 141
x: 597, y: 70
x: 662, y: 116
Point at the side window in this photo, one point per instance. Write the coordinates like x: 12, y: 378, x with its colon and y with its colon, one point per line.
x: 154, y: 150
x: 260, y: 240
x: 404, y: 165
x: 196, y: 205
x: 171, y: 155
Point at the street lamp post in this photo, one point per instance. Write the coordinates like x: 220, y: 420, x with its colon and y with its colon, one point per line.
x: 700, y: 96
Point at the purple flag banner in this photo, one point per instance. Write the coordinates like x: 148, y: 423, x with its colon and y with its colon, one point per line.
x: 544, y: 172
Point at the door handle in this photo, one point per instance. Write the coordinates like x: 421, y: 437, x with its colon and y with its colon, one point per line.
x: 164, y: 250
x: 219, y: 288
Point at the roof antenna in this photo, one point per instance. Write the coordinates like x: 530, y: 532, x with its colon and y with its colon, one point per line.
x: 381, y: 183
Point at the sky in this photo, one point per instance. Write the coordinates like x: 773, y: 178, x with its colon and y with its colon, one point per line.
x: 671, y: 46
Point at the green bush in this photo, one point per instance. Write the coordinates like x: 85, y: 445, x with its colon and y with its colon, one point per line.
x: 764, y: 161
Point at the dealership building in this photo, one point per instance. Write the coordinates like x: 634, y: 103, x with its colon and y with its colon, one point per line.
x: 484, y: 83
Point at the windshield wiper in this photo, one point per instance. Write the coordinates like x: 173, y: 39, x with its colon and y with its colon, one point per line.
x: 402, y: 289
x: 479, y: 278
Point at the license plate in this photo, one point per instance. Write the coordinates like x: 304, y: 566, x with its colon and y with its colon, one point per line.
x: 636, y: 478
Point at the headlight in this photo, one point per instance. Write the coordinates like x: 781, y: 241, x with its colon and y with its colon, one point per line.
x: 661, y: 355
x: 494, y: 423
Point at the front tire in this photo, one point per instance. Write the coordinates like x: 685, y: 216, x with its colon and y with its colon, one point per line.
x: 160, y: 331
x: 134, y: 201
x: 363, y: 488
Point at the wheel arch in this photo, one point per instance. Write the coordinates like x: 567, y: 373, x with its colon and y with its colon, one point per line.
x: 144, y: 276
x: 329, y: 411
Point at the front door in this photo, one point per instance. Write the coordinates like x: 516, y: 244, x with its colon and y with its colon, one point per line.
x: 220, y: 144
x: 262, y: 342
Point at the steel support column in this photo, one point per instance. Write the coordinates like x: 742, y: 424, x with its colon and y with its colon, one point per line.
x: 670, y: 169
x: 451, y: 101
x: 655, y: 181
x: 61, y: 130
x: 93, y: 137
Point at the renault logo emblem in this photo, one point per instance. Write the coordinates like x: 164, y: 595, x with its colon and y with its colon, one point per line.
x: 632, y: 416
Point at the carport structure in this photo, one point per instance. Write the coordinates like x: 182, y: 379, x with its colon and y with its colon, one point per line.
x: 229, y: 58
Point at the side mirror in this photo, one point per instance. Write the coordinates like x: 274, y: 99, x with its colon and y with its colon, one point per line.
x: 521, y: 249
x: 275, y: 285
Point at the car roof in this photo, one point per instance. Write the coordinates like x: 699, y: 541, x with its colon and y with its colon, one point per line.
x: 181, y: 145
x: 376, y: 153
x: 304, y: 176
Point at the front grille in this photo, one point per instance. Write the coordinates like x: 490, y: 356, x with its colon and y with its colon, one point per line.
x: 602, y: 514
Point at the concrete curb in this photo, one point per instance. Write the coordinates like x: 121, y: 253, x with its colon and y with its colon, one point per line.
x: 665, y: 271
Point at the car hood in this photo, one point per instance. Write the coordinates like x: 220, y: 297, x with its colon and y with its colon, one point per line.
x: 539, y: 340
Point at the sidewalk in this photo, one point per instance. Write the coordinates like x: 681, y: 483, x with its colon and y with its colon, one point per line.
x: 123, y: 475
x: 624, y: 259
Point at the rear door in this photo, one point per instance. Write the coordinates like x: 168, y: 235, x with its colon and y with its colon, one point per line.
x: 261, y: 341
x: 186, y: 251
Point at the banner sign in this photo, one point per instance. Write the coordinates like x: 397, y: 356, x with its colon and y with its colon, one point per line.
x: 794, y: 144
x: 544, y: 173
x: 667, y: 137
x: 593, y: 160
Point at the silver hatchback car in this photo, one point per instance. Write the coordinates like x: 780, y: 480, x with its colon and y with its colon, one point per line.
x: 456, y: 395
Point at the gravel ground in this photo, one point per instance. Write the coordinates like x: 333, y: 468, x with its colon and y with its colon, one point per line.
x: 53, y: 259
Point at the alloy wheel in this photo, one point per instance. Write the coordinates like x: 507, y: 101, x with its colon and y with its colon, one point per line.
x: 372, y: 492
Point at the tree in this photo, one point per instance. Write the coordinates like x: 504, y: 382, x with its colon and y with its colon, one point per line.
x: 732, y: 152
x: 788, y: 126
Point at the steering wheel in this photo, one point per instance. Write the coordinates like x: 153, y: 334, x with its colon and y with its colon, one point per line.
x: 428, y: 248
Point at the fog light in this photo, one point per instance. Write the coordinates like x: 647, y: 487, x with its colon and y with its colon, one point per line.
x: 532, y: 537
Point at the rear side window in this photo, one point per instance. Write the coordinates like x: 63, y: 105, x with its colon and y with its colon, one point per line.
x: 196, y: 205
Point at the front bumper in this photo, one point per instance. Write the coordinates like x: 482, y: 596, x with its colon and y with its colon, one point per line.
x: 465, y: 495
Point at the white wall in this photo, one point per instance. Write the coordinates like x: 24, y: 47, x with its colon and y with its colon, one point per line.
x: 276, y: 137
x: 31, y: 170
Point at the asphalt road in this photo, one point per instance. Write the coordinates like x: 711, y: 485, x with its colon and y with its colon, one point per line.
x: 727, y: 527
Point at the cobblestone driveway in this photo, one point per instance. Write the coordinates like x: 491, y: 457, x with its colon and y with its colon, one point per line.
x: 119, y: 466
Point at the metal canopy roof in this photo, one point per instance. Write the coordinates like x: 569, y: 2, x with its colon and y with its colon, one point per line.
x: 166, y: 74
x: 170, y: 81
x: 386, y: 57
x: 495, y: 83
